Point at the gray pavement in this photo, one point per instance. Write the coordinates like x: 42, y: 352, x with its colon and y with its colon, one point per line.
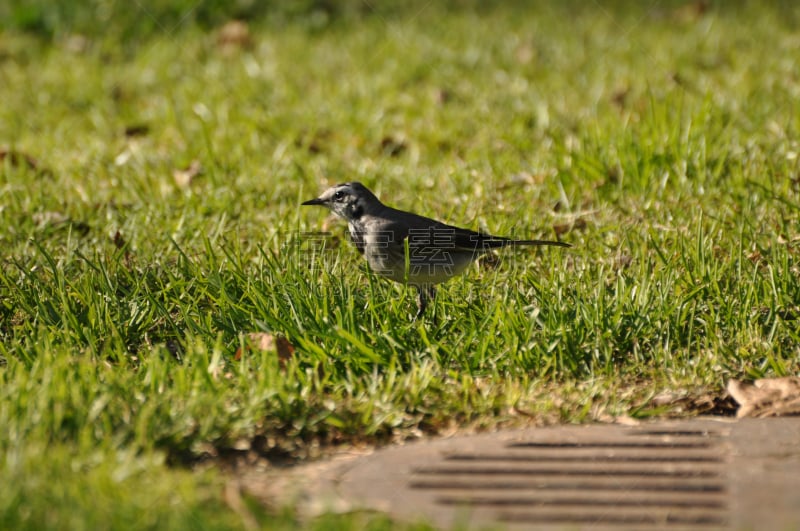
x: 707, y: 473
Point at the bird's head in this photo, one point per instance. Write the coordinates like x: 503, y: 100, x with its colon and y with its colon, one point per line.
x: 348, y: 200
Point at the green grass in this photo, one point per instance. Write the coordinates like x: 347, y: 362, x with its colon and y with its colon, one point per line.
x: 659, y: 141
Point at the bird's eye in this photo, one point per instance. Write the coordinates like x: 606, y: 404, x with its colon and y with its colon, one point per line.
x: 338, y: 196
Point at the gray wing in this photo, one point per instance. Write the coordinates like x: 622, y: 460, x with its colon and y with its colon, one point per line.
x: 397, y: 227
x: 429, y: 233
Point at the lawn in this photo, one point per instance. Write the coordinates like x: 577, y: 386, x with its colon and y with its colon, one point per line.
x: 154, y: 157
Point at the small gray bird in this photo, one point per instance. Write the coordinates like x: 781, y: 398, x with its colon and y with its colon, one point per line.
x: 406, y: 247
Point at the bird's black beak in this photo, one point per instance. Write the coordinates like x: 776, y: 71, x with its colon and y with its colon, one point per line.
x: 316, y: 201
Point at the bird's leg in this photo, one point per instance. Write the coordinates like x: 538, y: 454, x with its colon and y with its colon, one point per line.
x: 422, y: 303
x: 424, y: 294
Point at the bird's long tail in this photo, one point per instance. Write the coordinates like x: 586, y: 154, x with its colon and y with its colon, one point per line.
x: 537, y: 242
x: 495, y: 242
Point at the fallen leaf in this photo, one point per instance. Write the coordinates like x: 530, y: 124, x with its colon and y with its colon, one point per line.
x: 175, y: 349
x: 626, y: 420
x: 698, y: 402
x: 264, y: 341
x: 184, y: 177
x: 613, y: 174
x: 76, y: 43
x: 525, y: 53
x: 136, y: 130
x: 59, y: 221
x: 489, y: 261
x: 315, y: 141
x: 49, y: 218
x: 620, y: 96
x: 564, y: 228
x: 442, y: 96
x: 622, y: 260
x: 119, y: 241
x: 691, y: 11
x: 392, y: 146
x: 768, y: 397
x: 755, y: 257
x: 514, y: 410
x: 123, y: 158
x: 678, y: 79
x: 524, y: 178
x: 234, y: 35
x: 18, y: 158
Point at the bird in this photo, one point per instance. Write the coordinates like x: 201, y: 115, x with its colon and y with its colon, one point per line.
x: 407, y: 247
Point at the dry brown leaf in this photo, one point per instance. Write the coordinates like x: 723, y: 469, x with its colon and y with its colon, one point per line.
x: 49, y: 218
x: 697, y: 402
x: 524, y: 178
x: 234, y: 35
x: 184, y: 177
x: 393, y: 147
x: 59, y: 221
x: 755, y: 257
x: 76, y: 43
x: 626, y: 420
x: 622, y: 260
x: 119, y: 240
x: 620, y: 96
x: 239, y: 353
x: 441, y: 96
x: 264, y: 341
x: 563, y: 228
x: 18, y: 158
x: 525, y: 53
x: 489, y: 261
x: 768, y: 397
x: 133, y: 130
x: 314, y: 141
x: 691, y: 11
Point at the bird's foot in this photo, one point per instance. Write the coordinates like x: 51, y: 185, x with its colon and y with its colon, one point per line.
x: 424, y: 295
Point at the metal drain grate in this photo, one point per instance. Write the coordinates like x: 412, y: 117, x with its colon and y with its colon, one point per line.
x: 704, y: 474
x: 668, y: 479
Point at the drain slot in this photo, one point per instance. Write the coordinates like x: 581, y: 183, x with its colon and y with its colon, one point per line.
x: 676, y: 433
x: 663, y: 479
x: 506, y: 485
x: 533, y: 501
x: 618, y: 458
x: 594, y: 519
x: 652, y: 445
x: 490, y: 471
